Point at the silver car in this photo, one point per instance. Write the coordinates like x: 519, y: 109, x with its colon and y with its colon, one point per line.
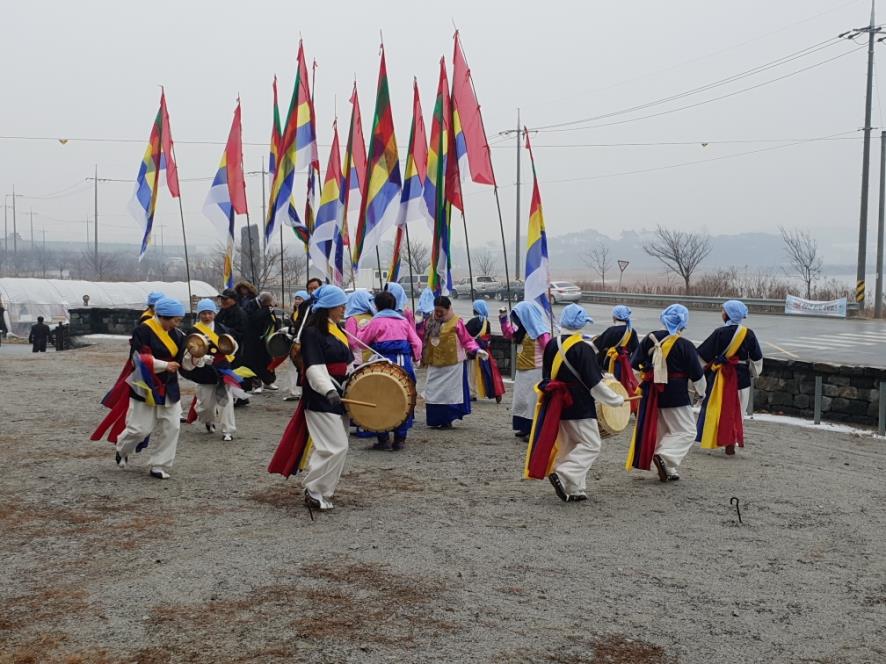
x: 564, y: 291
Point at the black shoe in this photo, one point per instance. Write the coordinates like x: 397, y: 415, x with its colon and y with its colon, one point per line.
x: 398, y: 444
x: 673, y: 477
x: 577, y: 498
x: 238, y: 403
x: 521, y: 434
x: 121, y: 460
x: 311, y: 502
x: 558, y: 487
x: 660, y: 467
x: 383, y: 445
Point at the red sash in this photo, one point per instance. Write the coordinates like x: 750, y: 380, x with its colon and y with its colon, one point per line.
x: 117, y: 399
x: 626, y: 376
x: 731, y: 429
x: 647, y: 419
x: 556, y: 398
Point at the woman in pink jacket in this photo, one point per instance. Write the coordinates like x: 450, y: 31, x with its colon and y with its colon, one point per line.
x: 390, y: 334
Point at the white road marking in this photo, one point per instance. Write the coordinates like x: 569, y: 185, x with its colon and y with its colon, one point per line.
x: 781, y: 350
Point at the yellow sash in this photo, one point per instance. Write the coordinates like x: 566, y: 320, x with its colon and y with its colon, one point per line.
x: 147, y: 314
x: 213, y: 337
x: 612, y: 353
x: 555, y: 370
x: 715, y: 400
x: 335, y: 331
x: 163, y: 336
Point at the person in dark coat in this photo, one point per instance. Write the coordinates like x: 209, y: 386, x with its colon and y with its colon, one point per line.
x: 232, y: 317
x: 4, y: 330
x: 40, y: 334
x: 262, y: 323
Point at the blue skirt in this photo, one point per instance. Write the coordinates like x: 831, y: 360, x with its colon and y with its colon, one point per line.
x: 438, y: 415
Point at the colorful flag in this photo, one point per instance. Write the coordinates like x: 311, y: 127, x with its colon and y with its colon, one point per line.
x: 158, y: 155
x: 412, y: 203
x: 297, y: 149
x: 354, y: 168
x: 538, y: 273
x: 308, y: 154
x: 381, y: 192
x: 227, y: 195
x: 439, y: 270
x: 470, y: 136
x: 276, y: 137
x: 329, y: 215
x: 394, y: 269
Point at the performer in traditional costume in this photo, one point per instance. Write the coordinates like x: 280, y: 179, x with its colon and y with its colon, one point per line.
x: 399, y: 294
x: 528, y: 329
x: 425, y: 310
x: 447, y: 346
x: 296, y: 320
x: 154, y: 403
x: 317, y: 435
x: 217, y: 382
x: 665, y: 428
x: 358, y: 313
x: 390, y: 334
x: 262, y: 323
x: 148, y: 313
x: 732, y: 355
x: 565, y: 439
x: 484, y: 376
x: 615, y: 346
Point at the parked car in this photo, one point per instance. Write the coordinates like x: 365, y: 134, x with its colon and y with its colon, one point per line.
x: 516, y: 292
x: 564, y: 291
x: 418, y: 283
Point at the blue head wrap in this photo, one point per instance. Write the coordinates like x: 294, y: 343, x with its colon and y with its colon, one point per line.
x: 481, y: 309
x: 399, y: 294
x: 303, y: 294
x: 622, y: 313
x: 675, y: 318
x: 359, y: 302
x: 574, y: 317
x: 166, y: 306
x: 329, y: 297
x: 207, y: 305
x: 426, y: 302
x: 153, y: 296
x: 736, y: 311
x: 531, y: 316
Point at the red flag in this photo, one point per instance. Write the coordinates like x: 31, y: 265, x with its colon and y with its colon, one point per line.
x: 234, y: 163
x: 168, y: 153
x: 469, y: 124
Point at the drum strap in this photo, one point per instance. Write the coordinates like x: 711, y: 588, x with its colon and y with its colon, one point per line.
x: 561, y: 353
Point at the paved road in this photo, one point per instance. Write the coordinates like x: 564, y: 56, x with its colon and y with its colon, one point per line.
x: 851, y: 341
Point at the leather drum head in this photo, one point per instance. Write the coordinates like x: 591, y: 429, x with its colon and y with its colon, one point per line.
x: 614, y: 419
x: 389, y: 387
x: 278, y: 344
x: 227, y: 345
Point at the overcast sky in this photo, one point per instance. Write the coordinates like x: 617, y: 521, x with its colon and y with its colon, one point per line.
x: 75, y: 69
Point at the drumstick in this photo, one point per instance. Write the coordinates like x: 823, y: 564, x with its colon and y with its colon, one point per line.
x: 639, y: 396
x: 360, y: 403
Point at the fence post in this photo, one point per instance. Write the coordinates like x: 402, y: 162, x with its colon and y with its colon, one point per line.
x: 817, y: 412
x: 882, y: 418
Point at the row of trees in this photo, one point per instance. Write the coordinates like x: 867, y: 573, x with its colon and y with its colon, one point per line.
x: 682, y: 253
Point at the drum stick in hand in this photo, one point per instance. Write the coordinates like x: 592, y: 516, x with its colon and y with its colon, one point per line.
x: 360, y: 403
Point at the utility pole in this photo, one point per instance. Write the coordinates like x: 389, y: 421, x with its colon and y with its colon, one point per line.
x: 87, y: 232
x: 32, y: 231
x: 43, y: 257
x: 14, y: 225
x: 162, y: 242
x: 95, y: 215
x: 872, y: 31
x: 518, y: 133
x: 878, y: 287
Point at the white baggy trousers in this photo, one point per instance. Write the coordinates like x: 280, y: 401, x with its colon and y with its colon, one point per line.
x: 578, y: 444
x: 676, y: 434
x: 162, y: 423
x: 329, y: 435
x: 210, y: 411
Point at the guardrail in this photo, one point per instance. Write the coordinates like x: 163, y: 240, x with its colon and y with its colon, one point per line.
x: 697, y: 302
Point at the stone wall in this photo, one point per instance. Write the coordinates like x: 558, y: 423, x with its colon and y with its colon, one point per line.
x: 849, y: 394
x: 95, y: 320
x: 501, y: 351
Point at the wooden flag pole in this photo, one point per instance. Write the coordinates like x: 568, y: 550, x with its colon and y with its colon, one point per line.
x: 381, y: 285
x: 504, y: 246
x: 187, y: 263
x: 468, y: 250
x: 409, y: 260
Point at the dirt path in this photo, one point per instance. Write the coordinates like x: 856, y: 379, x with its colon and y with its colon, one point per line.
x: 439, y: 553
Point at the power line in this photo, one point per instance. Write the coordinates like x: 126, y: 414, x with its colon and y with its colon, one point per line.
x: 706, y: 101
x: 702, y: 142
x: 809, y: 50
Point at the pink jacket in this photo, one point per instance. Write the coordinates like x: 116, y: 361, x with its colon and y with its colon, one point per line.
x: 391, y: 329
x: 508, y: 330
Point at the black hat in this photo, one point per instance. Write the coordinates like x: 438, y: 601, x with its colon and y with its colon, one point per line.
x: 229, y: 293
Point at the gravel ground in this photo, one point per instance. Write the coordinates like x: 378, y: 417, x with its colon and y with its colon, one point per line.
x: 437, y: 553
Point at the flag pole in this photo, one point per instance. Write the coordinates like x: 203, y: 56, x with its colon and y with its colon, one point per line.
x: 282, y: 271
x: 409, y: 260
x: 381, y: 284
x: 468, y: 250
x: 187, y: 263
x: 504, y: 246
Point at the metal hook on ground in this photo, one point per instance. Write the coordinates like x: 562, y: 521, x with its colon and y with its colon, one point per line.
x: 735, y: 501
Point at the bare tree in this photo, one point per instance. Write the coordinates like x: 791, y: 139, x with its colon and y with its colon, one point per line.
x: 486, y: 261
x: 421, y: 257
x: 600, y: 261
x: 100, y: 266
x: 802, y: 252
x: 681, y: 252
